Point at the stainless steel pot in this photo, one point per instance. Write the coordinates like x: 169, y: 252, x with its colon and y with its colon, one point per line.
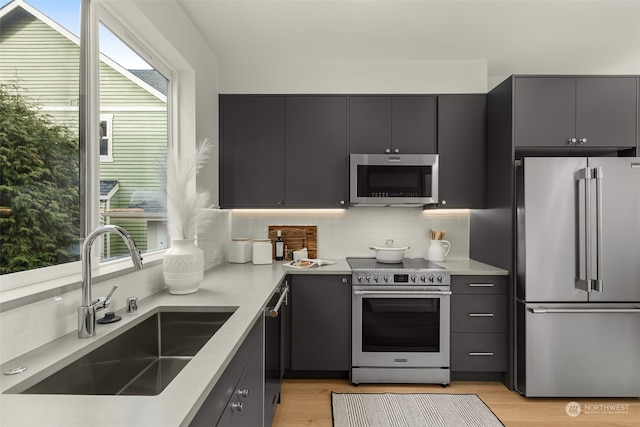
x: 389, y: 254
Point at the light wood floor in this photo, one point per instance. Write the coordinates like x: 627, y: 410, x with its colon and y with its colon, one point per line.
x: 308, y: 403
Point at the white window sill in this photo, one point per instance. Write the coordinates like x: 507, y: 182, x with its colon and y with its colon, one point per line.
x: 17, y: 297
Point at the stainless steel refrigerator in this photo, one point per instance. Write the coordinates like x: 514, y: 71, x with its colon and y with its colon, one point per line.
x: 578, y: 277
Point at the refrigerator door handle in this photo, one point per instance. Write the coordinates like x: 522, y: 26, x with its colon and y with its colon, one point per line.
x: 583, y: 276
x: 596, y: 281
x: 582, y: 310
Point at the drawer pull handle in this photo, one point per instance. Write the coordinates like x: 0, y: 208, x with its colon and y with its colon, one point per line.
x: 481, y: 285
x: 480, y: 314
x: 481, y: 353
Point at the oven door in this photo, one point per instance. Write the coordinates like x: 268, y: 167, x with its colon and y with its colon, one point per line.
x: 400, y: 326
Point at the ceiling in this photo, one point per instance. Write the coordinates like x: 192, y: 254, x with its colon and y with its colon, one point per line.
x: 512, y: 36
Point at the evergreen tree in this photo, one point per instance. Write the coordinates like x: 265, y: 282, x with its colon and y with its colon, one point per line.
x: 39, y: 187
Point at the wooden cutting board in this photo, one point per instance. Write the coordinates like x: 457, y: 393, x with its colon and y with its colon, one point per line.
x: 296, y: 237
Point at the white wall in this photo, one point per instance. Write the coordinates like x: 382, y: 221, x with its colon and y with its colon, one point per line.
x: 349, y: 77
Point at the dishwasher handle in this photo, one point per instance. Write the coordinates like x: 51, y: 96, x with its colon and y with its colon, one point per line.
x: 275, y: 311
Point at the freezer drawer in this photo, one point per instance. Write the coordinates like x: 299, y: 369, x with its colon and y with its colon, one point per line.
x: 578, y: 350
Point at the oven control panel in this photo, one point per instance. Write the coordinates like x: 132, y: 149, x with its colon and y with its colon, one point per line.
x: 390, y: 278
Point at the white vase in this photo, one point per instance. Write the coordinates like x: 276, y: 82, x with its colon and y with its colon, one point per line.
x: 183, y: 266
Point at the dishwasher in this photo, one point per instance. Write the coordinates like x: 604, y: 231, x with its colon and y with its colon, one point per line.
x: 274, y: 352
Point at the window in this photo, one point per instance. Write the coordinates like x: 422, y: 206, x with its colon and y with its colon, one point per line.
x: 105, y: 137
x: 132, y: 142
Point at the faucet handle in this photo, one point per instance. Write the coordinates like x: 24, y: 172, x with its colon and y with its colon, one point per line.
x: 112, y: 291
x: 103, y: 302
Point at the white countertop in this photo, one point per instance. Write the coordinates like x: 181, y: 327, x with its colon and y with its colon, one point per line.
x: 469, y: 267
x: 245, y: 286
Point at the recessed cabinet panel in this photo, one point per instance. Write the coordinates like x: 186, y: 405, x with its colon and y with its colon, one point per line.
x: 462, y: 150
x: 413, y: 128
x: 369, y: 124
x: 606, y: 112
x: 404, y: 124
x: 252, y: 151
x: 575, y: 112
x: 316, y: 159
x: 544, y: 111
x: 320, y: 323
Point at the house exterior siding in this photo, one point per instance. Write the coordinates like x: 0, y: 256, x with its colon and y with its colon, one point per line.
x: 44, y: 64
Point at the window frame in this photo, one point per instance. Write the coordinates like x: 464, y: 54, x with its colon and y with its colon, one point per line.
x: 26, y: 285
x: 108, y: 119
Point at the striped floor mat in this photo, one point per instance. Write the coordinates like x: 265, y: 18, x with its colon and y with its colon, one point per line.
x: 410, y: 410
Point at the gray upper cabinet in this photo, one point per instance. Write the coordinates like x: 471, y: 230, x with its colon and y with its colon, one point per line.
x: 316, y: 160
x: 392, y: 124
x: 283, y: 151
x: 252, y: 141
x: 583, y: 112
x: 462, y: 150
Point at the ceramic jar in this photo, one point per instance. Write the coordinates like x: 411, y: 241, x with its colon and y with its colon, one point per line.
x: 240, y: 250
x: 262, y: 251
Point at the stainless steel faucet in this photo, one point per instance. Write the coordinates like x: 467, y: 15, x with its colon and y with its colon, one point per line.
x: 87, y: 311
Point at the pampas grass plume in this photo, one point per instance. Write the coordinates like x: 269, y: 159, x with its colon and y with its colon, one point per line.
x: 186, y: 204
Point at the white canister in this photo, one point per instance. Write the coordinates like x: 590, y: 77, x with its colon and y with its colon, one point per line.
x: 240, y: 250
x: 262, y: 251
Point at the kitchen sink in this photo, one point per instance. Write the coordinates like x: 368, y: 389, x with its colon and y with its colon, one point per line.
x: 141, y: 361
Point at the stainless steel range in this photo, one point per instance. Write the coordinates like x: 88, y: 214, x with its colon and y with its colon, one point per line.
x: 400, y: 322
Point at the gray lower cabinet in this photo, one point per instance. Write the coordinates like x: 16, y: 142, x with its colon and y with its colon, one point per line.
x: 403, y: 124
x: 575, y: 112
x: 462, y: 150
x: 237, y: 399
x: 479, y: 324
x: 320, y: 323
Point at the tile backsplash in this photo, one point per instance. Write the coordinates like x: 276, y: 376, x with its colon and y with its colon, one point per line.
x: 351, y: 232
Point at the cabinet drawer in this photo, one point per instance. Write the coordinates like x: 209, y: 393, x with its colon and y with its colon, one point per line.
x: 479, y: 284
x: 478, y: 352
x: 479, y: 313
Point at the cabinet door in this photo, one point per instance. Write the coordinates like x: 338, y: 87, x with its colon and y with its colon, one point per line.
x: 320, y: 323
x: 216, y: 409
x: 316, y: 158
x: 462, y: 150
x: 251, y: 151
x: 544, y: 111
x: 250, y: 394
x: 606, y: 111
x: 369, y: 124
x: 413, y: 124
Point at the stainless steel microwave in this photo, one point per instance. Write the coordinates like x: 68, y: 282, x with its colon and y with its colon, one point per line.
x: 393, y: 179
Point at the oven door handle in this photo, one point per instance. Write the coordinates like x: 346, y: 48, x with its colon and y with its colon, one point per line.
x: 408, y: 293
